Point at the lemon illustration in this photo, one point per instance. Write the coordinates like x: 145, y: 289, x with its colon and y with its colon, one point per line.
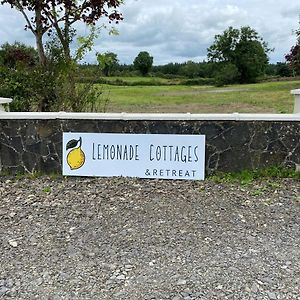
x: 76, y: 157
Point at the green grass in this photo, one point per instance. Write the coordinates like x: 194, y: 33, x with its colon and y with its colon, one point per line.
x: 249, y: 176
x: 46, y: 189
x: 270, y: 97
x: 244, y: 177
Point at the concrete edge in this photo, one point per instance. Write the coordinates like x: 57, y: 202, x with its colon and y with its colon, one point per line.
x: 150, y: 117
x: 5, y: 100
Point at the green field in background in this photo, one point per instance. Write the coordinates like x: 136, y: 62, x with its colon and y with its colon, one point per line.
x: 269, y: 97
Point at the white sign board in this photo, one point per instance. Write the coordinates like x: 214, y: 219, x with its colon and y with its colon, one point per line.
x: 164, y: 156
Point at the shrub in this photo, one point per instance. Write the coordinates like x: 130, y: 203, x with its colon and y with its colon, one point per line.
x: 227, y: 74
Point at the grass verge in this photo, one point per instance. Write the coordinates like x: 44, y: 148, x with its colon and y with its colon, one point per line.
x: 249, y: 176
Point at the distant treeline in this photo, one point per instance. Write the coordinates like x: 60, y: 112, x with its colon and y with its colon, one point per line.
x: 190, y: 70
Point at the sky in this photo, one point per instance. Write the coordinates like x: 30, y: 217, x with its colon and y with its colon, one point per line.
x: 178, y: 30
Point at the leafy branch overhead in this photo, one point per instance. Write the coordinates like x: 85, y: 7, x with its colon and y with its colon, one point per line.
x: 57, y: 18
x: 52, y: 12
x: 44, y: 16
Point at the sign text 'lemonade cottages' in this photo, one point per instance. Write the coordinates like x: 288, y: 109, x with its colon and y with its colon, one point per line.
x: 134, y: 155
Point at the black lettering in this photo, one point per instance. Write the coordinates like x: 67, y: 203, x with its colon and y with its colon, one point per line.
x: 154, y: 172
x: 94, y: 152
x: 158, y: 153
x: 194, y: 171
x: 189, y: 154
x: 136, y: 152
x: 195, y: 152
x: 187, y: 174
x: 183, y: 155
x: 119, y: 152
x: 112, y: 152
x: 105, y: 155
x: 151, y: 157
x: 174, y: 173
x: 171, y: 153
x: 165, y: 153
x: 167, y: 171
x: 161, y: 172
x: 131, y: 152
x: 125, y: 154
x: 176, y: 156
x: 147, y: 173
x: 180, y: 173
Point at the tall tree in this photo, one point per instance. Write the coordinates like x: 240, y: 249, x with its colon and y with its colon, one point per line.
x: 143, y: 62
x: 107, y: 62
x: 243, y: 48
x: 44, y: 16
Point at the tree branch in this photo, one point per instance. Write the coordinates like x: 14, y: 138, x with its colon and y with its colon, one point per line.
x: 20, y: 8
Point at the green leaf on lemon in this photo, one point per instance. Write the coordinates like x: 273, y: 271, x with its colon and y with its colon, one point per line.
x: 72, y: 144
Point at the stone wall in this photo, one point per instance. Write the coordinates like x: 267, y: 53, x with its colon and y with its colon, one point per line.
x: 28, y: 145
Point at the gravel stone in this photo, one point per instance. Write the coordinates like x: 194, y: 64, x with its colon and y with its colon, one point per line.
x: 13, y: 243
x: 135, y: 239
x: 254, y: 288
x: 121, y: 277
x: 3, y: 290
x: 181, y: 282
x: 272, y: 296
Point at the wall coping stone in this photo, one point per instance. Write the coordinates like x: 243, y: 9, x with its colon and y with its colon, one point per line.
x: 296, y: 93
x: 4, y: 101
x: 149, y: 116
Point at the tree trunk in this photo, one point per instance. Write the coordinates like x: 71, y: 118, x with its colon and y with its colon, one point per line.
x: 67, y: 51
x: 40, y: 49
x: 43, y: 104
x: 39, y: 33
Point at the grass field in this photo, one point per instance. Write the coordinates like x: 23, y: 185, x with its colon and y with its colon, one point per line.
x: 270, y: 97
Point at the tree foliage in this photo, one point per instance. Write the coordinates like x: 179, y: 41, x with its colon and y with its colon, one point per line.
x: 143, y: 62
x: 57, y: 19
x: 243, y: 48
x: 45, y: 16
x: 293, y: 57
x: 13, y: 55
x: 107, y: 62
x: 227, y: 73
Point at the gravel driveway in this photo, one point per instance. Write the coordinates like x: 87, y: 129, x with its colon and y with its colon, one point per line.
x: 148, y: 239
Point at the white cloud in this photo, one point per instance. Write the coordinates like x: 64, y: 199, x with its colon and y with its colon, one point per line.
x: 180, y: 30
